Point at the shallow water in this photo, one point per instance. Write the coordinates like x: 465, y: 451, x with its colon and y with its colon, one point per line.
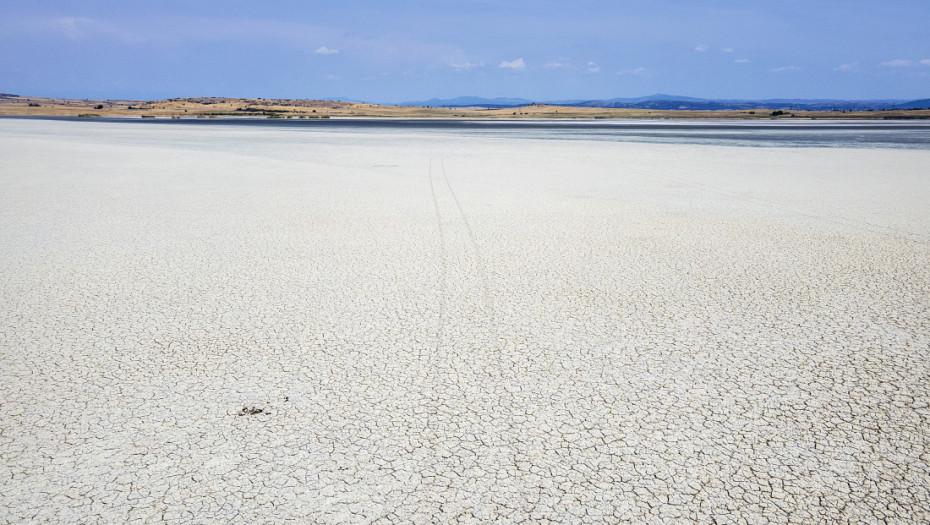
x: 789, y: 134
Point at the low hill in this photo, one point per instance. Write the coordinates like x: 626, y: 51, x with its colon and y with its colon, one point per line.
x: 223, y: 107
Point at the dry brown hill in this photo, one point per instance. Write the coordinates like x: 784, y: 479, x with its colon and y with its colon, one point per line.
x: 209, y: 107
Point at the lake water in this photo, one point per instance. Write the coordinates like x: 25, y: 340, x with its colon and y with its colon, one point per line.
x: 792, y: 134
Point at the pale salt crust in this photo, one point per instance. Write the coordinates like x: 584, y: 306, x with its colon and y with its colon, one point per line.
x: 446, y: 328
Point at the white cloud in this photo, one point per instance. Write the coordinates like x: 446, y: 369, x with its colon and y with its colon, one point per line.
x: 555, y: 65
x: 925, y: 61
x: 465, y: 66
x: 593, y: 68
x: 516, y: 65
x: 742, y: 60
x: 702, y: 48
x: 323, y: 50
x: 785, y: 68
x: 727, y: 50
x: 847, y: 67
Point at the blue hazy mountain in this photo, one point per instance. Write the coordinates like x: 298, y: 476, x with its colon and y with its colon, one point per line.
x: 915, y: 104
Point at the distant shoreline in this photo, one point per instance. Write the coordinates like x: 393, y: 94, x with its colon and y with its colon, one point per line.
x: 774, y: 133
x: 219, y: 107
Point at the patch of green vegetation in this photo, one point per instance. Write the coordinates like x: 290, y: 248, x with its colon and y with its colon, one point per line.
x: 89, y: 115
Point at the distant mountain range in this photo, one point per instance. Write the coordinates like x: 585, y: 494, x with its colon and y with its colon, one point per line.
x: 662, y: 101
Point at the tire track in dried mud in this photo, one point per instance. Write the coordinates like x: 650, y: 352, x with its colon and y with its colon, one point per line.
x: 469, y: 423
x: 493, y: 336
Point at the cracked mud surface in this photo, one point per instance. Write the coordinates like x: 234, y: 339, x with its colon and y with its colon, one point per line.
x: 226, y: 325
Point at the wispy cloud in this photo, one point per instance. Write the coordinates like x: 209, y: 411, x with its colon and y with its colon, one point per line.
x: 742, y: 61
x: 847, y: 67
x: 78, y: 28
x: 727, y: 50
x: 702, y: 48
x: 465, y: 66
x: 177, y: 31
x: 555, y: 65
x: 516, y: 65
x: 74, y: 28
x: 189, y: 33
x: 785, y: 68
x: 639, y: 71
x: 593, y: 68
x: 904, y: 62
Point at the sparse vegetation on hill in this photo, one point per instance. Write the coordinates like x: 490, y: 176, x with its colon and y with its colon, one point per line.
x: 213, y: 107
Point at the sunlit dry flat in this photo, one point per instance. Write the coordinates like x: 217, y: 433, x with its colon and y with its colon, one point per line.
x: 248, y: 324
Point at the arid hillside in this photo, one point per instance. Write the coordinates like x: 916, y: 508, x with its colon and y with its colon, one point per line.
x: 212, y: 107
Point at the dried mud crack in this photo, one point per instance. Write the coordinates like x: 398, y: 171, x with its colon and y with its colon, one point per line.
x: 240, y: 324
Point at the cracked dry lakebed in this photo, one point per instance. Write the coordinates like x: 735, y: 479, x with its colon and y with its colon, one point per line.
x: 358, y: 322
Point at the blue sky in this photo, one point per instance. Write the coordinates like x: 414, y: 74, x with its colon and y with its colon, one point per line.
x: 392, y: 51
